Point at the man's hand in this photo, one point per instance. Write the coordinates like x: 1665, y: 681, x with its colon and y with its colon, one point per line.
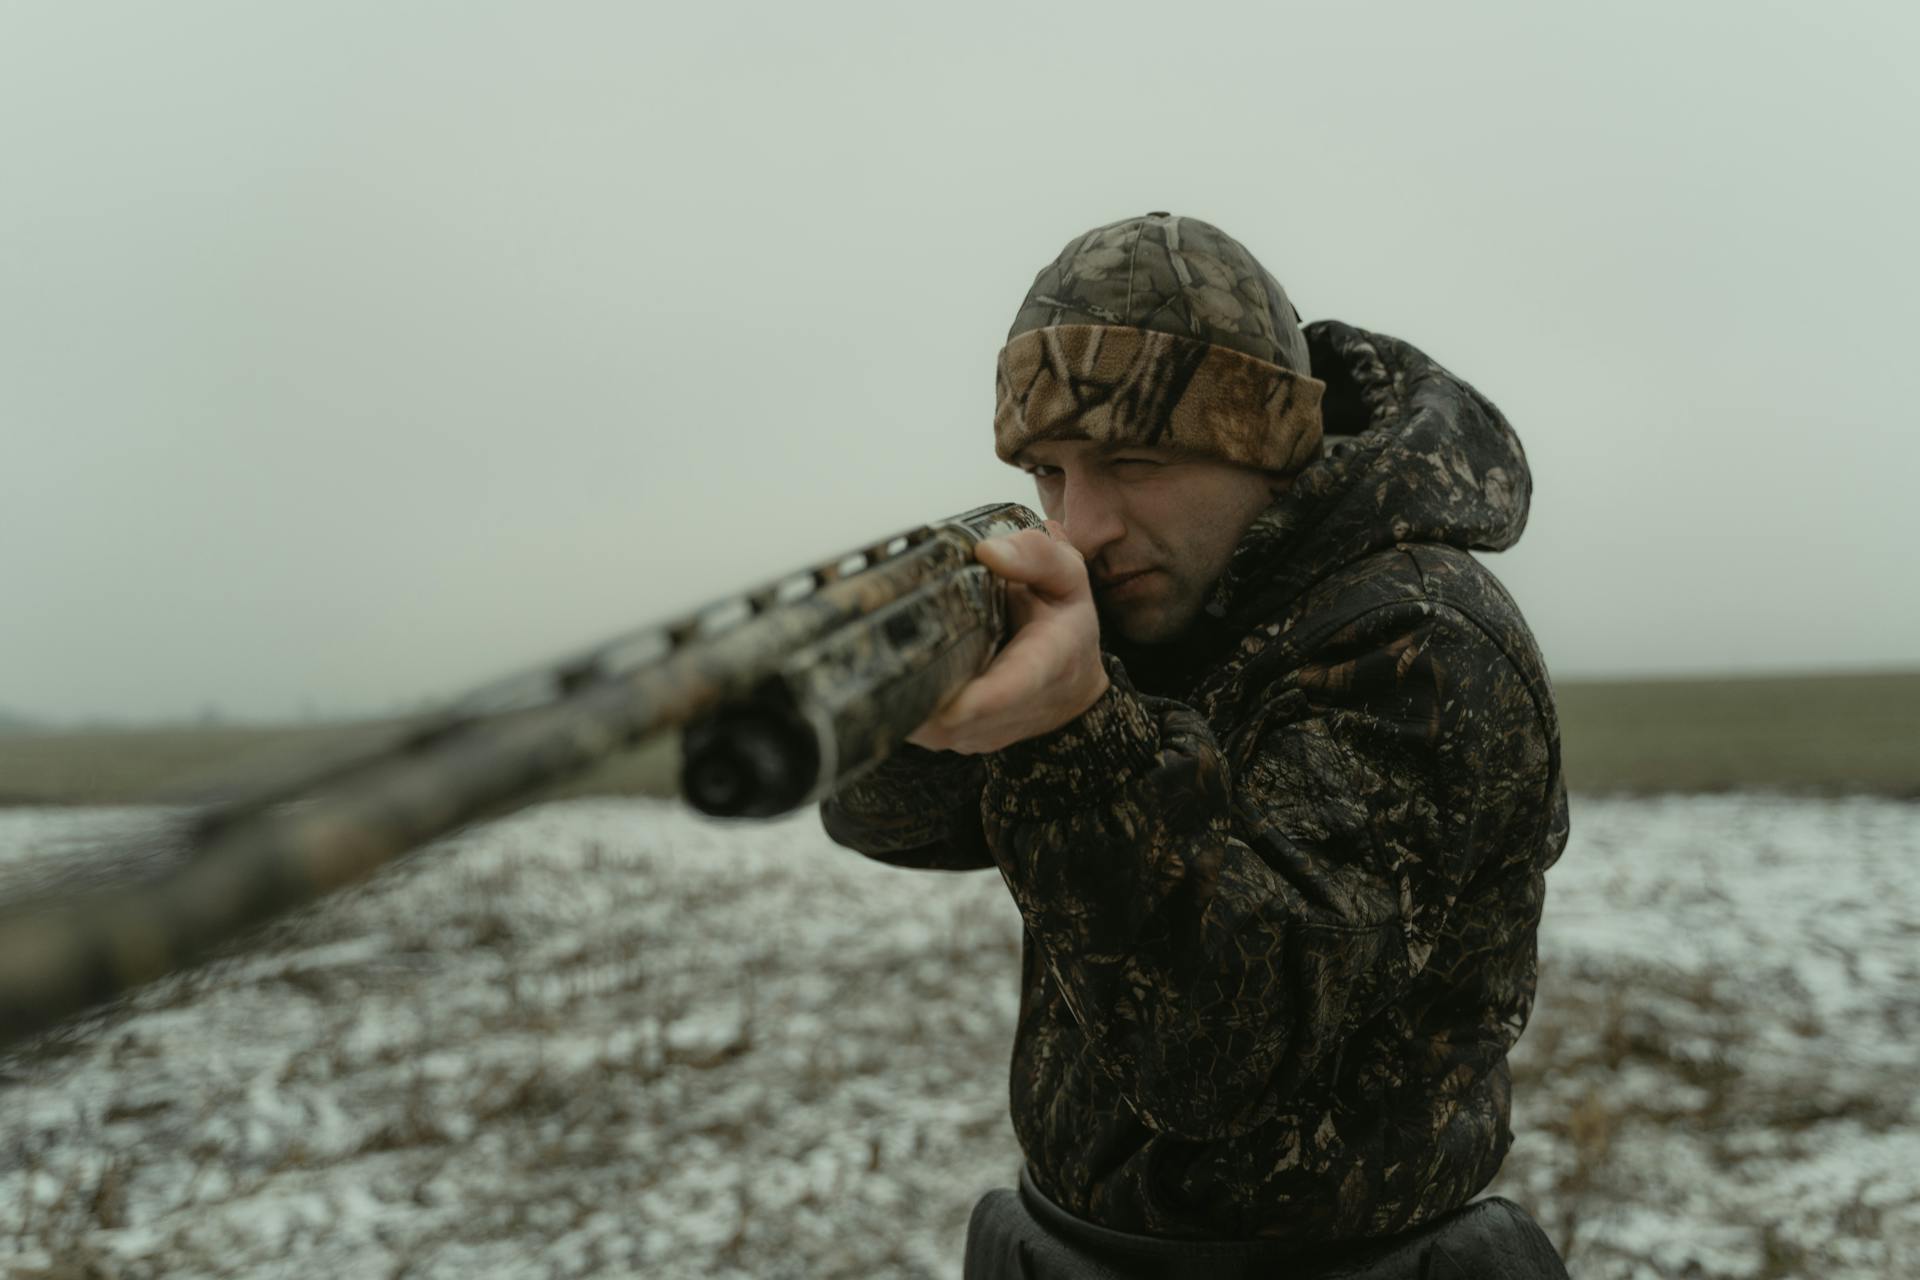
x: 1049, y: 672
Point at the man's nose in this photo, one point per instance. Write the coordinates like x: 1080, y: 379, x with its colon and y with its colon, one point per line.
x: 1091, y: 517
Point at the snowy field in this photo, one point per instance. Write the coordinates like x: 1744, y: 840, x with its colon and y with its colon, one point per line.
x: 609, y: 1038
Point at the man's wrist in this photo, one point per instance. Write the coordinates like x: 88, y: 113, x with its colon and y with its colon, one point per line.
x: 1115, y: 739
x: 1104, y: 683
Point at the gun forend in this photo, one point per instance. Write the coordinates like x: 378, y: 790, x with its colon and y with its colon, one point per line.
x: 839, y: 705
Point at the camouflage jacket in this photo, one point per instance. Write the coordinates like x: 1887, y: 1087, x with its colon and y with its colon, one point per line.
x: 1281, y: 884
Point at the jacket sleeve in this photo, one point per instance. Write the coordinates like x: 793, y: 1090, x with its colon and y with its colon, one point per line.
x: 916, y: 808
x: 1219, y: 930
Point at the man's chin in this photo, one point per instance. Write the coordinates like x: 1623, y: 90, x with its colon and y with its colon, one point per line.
x: 1138, y: 625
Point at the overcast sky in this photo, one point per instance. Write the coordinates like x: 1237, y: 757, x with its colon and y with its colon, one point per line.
x: 353, y: 353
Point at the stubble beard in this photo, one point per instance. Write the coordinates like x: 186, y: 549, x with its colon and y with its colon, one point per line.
x: 1159, y: 620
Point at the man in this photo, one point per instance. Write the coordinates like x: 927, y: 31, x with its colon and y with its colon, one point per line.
x: 1271, y: 768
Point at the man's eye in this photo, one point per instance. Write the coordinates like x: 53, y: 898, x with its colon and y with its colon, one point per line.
x: 1043, y: 472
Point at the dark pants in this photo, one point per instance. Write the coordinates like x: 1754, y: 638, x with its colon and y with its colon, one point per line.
x: 1024, y: 1236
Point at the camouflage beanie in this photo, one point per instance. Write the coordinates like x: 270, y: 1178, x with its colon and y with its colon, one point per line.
x: 1160, y: 330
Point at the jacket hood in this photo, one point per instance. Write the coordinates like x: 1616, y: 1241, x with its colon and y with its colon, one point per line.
x: 1413, y: 454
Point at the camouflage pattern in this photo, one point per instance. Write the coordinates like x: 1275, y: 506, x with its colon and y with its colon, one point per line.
x: 1127, y: 386
x: 855, y: 652
x: 1281, y: 885
x: 1168, y: 274
x: 1163, y: 331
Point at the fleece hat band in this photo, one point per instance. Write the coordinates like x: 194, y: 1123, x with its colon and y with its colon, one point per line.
x: 1116, y: 385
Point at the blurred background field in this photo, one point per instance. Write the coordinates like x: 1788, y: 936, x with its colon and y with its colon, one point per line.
x: 1825, y: 735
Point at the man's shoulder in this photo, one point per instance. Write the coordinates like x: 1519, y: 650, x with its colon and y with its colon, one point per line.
x: 1424, y: 577
x: 1373, y: 603
x: 1369, y: 612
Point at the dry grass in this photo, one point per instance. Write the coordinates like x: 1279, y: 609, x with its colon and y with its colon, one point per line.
x: 133, y: 766
x: 139, y: 766
x: 1824, y: 734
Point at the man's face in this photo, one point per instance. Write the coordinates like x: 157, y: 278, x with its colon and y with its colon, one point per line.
x: 1157, y: 527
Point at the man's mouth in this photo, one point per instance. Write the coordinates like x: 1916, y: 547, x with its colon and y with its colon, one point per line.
x: 1120, y: 581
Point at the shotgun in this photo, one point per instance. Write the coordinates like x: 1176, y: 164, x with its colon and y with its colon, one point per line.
x: 781, y: 693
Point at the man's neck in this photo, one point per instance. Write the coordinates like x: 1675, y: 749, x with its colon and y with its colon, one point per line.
x: 1171, y: 667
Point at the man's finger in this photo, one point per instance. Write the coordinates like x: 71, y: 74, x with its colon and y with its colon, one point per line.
x: 931, y: 736
x: 1051, y: 568
x: 1017, y: 676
